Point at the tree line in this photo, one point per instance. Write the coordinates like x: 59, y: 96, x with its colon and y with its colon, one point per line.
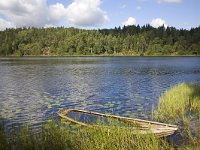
x: 127, y: 40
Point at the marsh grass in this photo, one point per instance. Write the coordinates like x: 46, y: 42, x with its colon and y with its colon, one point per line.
x: 116, y: 138
x: 67, y: 136
x: 179, y: 102
x: 181, y: 105
x: 3, y: 139
x: 50, y: 137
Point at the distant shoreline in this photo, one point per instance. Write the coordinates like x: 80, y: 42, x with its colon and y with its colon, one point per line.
x: 102, y: 56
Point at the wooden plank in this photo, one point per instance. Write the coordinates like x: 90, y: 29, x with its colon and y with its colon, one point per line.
x: 143, y: 126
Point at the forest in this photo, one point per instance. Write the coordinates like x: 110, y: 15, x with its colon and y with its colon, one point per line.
x: 126, y: 41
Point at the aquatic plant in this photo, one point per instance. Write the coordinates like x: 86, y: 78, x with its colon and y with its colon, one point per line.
x: 65, y: 136
x: 179, y: 102
x: 181, y: 105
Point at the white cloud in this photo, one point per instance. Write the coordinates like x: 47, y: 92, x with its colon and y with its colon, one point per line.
x: 25, y: 12
x: 50, y: 26
x: 158, y: 22
x: 5, y: 24
x: 130, y: 21
x: 57, y: 12
x: 86, y: 13
x: 37, y: 13
x: 169, y: 1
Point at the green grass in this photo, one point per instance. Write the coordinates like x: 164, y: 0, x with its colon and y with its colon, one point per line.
x: 179, y: 102
x: 3, y: 140
x: 66, y: 137
x: 181, y: 105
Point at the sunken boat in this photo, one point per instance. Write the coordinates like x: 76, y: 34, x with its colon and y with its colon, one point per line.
x: 139, y: 125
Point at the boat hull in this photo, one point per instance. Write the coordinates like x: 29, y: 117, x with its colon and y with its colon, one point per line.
x: 143, y: 126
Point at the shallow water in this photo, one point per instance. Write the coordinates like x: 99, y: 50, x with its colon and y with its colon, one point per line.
x: 33, y: 89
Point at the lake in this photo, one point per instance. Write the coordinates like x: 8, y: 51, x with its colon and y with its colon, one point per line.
x: 33, y: 89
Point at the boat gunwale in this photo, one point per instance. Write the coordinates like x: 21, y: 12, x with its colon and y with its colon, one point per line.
x: 67, y: 111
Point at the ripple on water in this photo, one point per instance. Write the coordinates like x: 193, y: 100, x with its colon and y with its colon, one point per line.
x: 32, y: 90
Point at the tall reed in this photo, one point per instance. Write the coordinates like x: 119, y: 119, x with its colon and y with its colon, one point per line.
x: 181, y: 105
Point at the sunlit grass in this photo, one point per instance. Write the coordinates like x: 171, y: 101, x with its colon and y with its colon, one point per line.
x: 116, y: 138
x: 179, y: 102
x: 181, y: 105
x: 70, y: 137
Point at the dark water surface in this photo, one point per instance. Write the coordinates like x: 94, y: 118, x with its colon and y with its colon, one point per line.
x: 32, y: 89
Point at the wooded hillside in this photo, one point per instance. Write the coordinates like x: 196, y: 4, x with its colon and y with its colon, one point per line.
x: 129, y: 40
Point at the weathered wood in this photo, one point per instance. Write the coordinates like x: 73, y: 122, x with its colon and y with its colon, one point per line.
x: 142, y: 126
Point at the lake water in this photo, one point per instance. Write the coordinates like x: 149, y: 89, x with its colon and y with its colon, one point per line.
x: 33, y: 89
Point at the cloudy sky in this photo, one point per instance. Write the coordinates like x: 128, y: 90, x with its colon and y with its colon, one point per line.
x: 98, y: 13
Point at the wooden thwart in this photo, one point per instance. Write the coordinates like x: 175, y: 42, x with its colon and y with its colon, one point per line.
x: 142, y: 126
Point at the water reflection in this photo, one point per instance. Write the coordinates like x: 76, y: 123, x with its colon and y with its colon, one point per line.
x: 34, y: 89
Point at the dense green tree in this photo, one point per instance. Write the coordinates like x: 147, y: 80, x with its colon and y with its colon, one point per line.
x: 128, y: 40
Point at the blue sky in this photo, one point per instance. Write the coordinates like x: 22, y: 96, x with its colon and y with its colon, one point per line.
x: 99, y: 13
x: 180, y: 15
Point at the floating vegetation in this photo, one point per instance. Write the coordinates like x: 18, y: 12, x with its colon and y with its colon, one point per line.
x: 132, y: 115
x: 62, y: 99
x: 49, y: 100
x: 118, y: 102
x: 56, y: 104
x: 144, y: 116
x: 49, y: 106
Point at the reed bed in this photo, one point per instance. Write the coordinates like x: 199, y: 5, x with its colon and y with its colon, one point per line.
x: 181, y: 105
x: 64, y: 137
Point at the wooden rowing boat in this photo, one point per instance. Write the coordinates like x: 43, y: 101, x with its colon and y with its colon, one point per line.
x: 143, y: 126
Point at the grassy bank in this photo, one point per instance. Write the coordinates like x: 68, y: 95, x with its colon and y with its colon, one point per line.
x: 181, y: 105
x: 61, y: 137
